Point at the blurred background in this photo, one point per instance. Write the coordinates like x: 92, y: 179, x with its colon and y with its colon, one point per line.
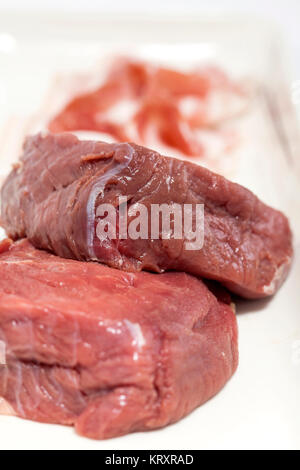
x: 286, y: 13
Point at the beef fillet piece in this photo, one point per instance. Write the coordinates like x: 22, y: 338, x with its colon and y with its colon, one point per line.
x: 106, y: 351
x: 53, y: 195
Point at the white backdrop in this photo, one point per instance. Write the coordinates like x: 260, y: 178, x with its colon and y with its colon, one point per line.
x: 286, y: 13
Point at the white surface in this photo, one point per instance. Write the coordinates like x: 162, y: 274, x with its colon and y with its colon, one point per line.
x: 259, y: 408
x: 285, y: 13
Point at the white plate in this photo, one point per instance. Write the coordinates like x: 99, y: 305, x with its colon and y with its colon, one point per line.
x: 259, y: 407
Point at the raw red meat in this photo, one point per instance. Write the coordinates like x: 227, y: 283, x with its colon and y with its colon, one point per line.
x: 53, y: 194
x: 107, y: 351
x: 170, y: 104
